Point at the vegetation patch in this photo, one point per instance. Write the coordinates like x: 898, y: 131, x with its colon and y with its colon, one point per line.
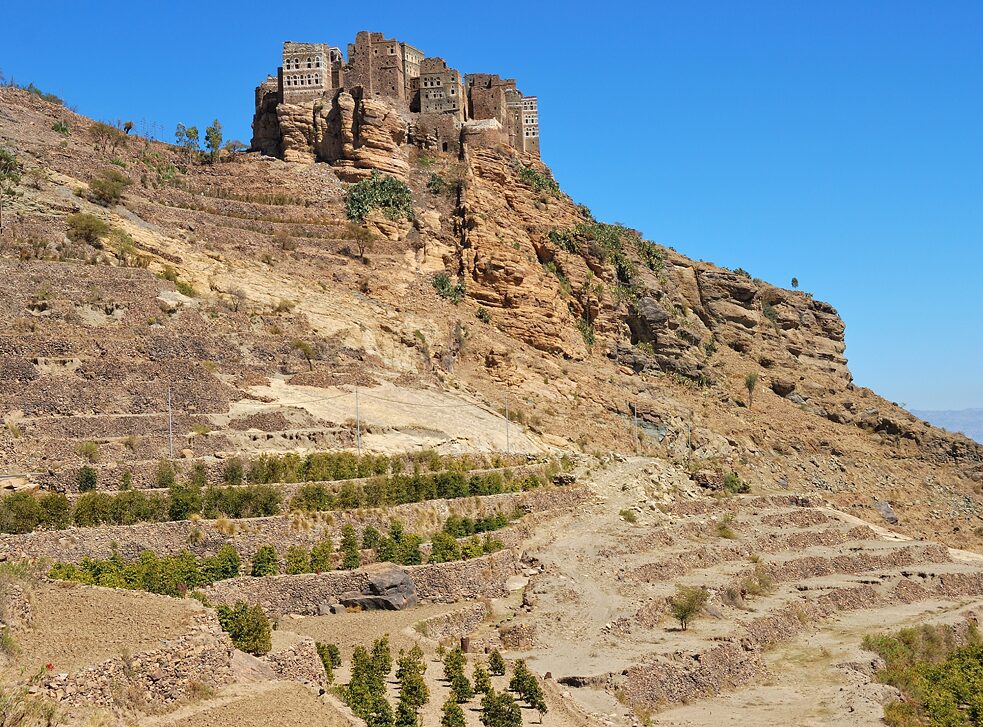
x: 454, y: 292
x: 939, y: 676
x: 383, y: 192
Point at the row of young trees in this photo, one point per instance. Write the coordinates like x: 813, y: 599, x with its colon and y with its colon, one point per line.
x: 179, y: 574
x: 366, y: 691
x: 188, y: 138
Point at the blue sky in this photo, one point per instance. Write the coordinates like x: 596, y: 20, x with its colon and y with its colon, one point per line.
x: 839, y: 142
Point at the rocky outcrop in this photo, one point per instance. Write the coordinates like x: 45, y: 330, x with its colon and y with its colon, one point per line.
x: 355, y: 135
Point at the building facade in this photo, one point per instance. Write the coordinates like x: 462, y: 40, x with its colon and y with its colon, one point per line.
x: 444, y: 100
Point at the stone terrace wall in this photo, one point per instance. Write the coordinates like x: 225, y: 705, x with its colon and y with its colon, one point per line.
x: 454, y: 624
x: 303, y: 594
x: 206, y: 536
x: 160, y: 676
x: 299, y: 663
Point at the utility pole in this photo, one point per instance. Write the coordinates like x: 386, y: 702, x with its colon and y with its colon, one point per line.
x: 508, y: 443
x: 170, y: 425
x: 358, y: 426
x: 634, y: 412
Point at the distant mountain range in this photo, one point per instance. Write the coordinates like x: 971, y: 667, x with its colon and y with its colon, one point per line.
x: 967, y: 421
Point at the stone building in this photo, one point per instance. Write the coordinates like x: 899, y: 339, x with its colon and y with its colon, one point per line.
x: 439, y: 106
x: 441, y: 89
x: 383, y: 67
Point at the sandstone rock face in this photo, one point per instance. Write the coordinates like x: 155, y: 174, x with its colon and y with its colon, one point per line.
x: 355, y: 135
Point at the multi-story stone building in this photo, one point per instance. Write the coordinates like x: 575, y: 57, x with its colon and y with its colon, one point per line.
x: 438, y: 99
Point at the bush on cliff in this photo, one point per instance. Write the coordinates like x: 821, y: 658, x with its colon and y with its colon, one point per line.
x: 248, y: 627
x: 107, y: 186
x: 380, y: 191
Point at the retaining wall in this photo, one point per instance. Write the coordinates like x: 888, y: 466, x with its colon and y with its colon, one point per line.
x: 303, y: 594
x: 204, y: 537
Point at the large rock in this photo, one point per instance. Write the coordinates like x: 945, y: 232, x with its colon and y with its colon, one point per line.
x: 388, y: 589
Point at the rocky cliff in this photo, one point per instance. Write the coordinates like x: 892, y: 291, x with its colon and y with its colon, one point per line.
x: 601, y: 340
x: 355, y: 135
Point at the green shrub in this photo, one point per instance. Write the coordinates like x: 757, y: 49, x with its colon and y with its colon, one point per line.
x: 165, y: 474
x: 241, y: 502
x: 498, y: 709
x: 436, y: 184
x: 87, y: 478
x: 350, y: 557
x: 483, y: 315
x: 940, y: 678
x: 451, y: 715
x: 444, y: 548
x: 265, y: 562
x: 537, y: 180
x: 60, y: 127
x: 734, y: 485
x: 107, y: 186
x: 224, y: 564
x: 298, y: 560
x: 628, y: 516
x: 496, y: 664
x: 381, y: 192
x: 184, y: 500
x: 454, y: 292
x: 232, y: 471
x: 248, y: 627
x: 322, y: 558
x: 586, y: 328
x: 326, y: 660
x: 83, y: 227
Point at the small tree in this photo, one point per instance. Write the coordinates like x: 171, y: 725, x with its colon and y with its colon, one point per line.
x: 406, y: 716
x: 106, y: 137
x: 322, y: 556
x: 500, y: 710
x: 496, y: 664
x: 482, y: 681
x: 298, y: 560
x: 795, y: 283
x: 213, y: 140
x: 232, y: 472
x: 306, y: 350
x: 750, y: 382
x: 412, y: 686
x: 233, y: 148
x: 350, y: 557
x: 326, y: 660
x: 87, y: 478
x: 362, y: 237
x: 247, y: 625
x: 687, y: 604
x: 452, y: 715
x: 461, y: 688
x: 382, y: 658
x: 264, y: 562
x: 444, y: 548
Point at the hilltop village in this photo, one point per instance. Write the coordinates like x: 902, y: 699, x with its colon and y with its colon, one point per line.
x: 302, y: 113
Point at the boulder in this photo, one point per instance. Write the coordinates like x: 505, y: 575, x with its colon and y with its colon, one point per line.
x: 388, y: 589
